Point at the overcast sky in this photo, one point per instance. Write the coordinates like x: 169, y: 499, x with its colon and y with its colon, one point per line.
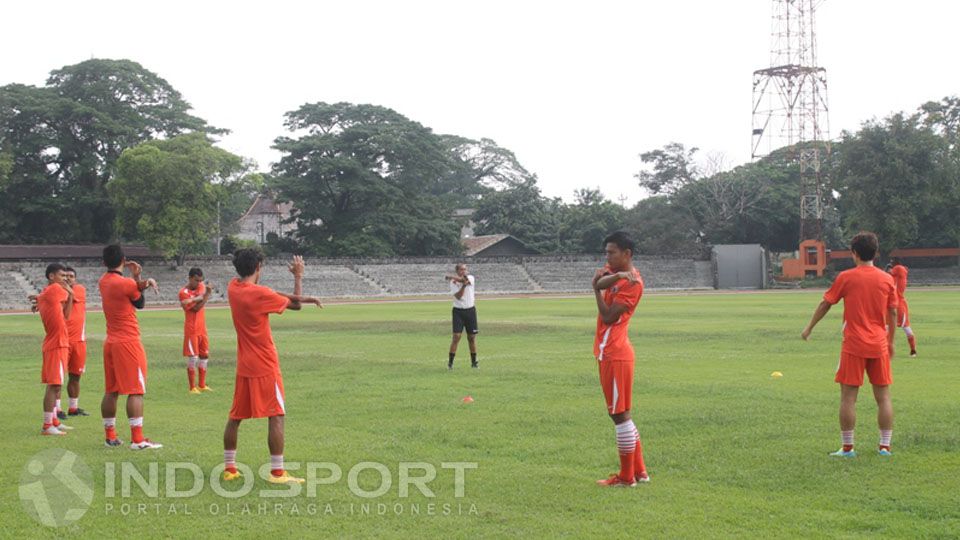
x: 576, y: 89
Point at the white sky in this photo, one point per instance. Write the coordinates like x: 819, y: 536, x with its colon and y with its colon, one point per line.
x: 576, y: 89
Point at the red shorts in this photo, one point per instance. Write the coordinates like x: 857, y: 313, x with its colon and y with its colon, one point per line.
x: 54, y: 364
x: 616, y: 379
x: 77, y: 362
x: 850, y: 370
x: 257, y: 397
x: 124, y: 368
x: 196, y: 346
x: 903, y: 315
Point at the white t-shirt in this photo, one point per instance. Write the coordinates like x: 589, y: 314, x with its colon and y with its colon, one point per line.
x: 466, y: 301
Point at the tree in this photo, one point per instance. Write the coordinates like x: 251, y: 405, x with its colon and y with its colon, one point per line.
x: 660, y: 225
x: 587, y: 222
x: 165, y: 192
x: 366, y: 181
x: 65, y: 139
x: 673, y: 168
x: 898, y: 178
x: 521, y: 211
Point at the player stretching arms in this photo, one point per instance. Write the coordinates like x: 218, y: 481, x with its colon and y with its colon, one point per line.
x: 124, y: 359
x: 869, y: 307
x: 464, y: 313
x: 618, y: 288
x: 258, y: 392
x: 899, y: 273
x: 55, y: 305
x: 77, y: 329
x: 196, y: 346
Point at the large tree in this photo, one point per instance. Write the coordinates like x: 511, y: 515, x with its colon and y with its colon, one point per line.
x: 367, y: 181
x: 65, y: 139
x: 520, y: 210
x: 166, y: 192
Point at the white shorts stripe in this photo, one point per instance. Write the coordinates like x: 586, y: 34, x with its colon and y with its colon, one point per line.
x: 280, y: 398
x: 603, y: 344
x: 143, y: 382
x: 616, y: 396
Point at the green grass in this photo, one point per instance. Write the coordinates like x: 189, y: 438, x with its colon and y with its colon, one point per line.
x: 731, y: 451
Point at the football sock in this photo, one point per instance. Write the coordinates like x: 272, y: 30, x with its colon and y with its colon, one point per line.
x: 136, y: 429
x: 627, y: 446
x: 885, y: 436
x: 48, y: 419
x: 191, y: 371
x: 846, y: 438
x: 203, y: 373
x: 276, y: 465
x: 109, y: 428
x: 230, y: 460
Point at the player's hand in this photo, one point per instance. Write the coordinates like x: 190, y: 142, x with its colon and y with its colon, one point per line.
x: 67, y: 287
x: 34, y: 307
x: 152, y: 284
x: 596, y: 278
x: 629, y: 276
x: 135, y: 269
x: 313, y: 300
x: 296, y: 266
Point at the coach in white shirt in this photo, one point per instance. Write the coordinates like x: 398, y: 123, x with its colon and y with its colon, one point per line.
x: 464, y: 313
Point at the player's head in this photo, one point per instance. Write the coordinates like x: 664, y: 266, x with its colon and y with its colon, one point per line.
x: 619, y: 248
x: 461, y: 269
x: 55, y: 272
x: 248, y: 262
x: 70, y: 275
x: 895, y: 261
x: 865, y: 245
x: 195, y: 277
x: 113, y: 256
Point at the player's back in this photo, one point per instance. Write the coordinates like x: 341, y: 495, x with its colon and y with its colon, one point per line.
x: 900, y: 273
x: 867, y: 293
x: 250, y: 308
x: 117, y: 294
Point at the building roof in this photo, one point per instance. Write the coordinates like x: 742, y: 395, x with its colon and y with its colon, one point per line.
x: 264, y: 204
x: 477, y: 245
x: 68, y: 251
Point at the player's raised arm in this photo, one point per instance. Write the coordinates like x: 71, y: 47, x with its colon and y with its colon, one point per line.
x: 68, y: 303
x: 297, y: 299
x: 200, y: 302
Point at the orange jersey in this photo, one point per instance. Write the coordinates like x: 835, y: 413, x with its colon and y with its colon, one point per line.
x: 194, y: 323
x: 899, y: 273
x: 867, y: 293
x: 50, y: 305
x: 612, y: 342
x: 76, y: 324
x: 118, y: 294
x: 251, y: 306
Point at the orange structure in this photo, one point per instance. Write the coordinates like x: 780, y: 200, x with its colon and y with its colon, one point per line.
x: 812, y: 261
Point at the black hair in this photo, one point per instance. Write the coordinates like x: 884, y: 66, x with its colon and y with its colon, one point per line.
x: 195, y: 272
x: 53, y: 268
x: 865, y: 245
x: 69, y: 269
x: 246, y: 261
x: 113, y: 256
x: 895, y: 261
x: 622, y: 241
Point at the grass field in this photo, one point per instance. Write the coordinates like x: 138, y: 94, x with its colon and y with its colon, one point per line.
x: 731, y: 451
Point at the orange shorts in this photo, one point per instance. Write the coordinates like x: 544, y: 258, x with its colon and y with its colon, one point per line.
x: 77, y: 362
x: 850, y: 370
x: 124, y: 368
x: 54, y: 364
x: 616, y: 379
x: 903, y: 315
x: 197, y: 346
x: 257, y: 397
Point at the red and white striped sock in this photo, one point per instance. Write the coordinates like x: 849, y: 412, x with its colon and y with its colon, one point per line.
x: 109, y: 428
x: 136, y: 429
x: 48, y: 419
x: 627, y: 447
x: 203, y: 372
x: 74, y: 404
x: 276, y: 465
x: 885, y: 436
x: 230, y: 460
x: 846, y: 437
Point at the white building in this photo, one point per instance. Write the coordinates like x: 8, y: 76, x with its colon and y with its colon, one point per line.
x: 265, y: 216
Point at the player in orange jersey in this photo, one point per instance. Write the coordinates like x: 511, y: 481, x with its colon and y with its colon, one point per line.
x: 124, y: 359
x: 618, y: 288
x: 258, y: 392
x: 899, y: 273
x: 196, y: 346
x: 77, y: 328
x: 55, y: 304
x: 869, y: 308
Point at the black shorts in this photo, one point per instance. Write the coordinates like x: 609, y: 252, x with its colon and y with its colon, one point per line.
x: 465, y: 318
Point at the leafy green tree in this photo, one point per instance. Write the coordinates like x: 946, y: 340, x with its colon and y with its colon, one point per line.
x: 589, y: 220
x: 673, y: 167
x: 366, y: 180
x: 898, y: 178
x: 165, y: 192
x: 520, y: 210
x: 66, y: 138
x: 660, y: 225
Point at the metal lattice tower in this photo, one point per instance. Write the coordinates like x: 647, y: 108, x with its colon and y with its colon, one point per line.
x: 790, y: 105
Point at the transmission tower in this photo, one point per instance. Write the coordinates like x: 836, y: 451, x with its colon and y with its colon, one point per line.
x: 790, y: 105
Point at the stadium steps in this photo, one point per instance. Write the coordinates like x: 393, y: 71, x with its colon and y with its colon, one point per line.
x: 21, y: 279
x: 533, y: 282
x: 372, y: 282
